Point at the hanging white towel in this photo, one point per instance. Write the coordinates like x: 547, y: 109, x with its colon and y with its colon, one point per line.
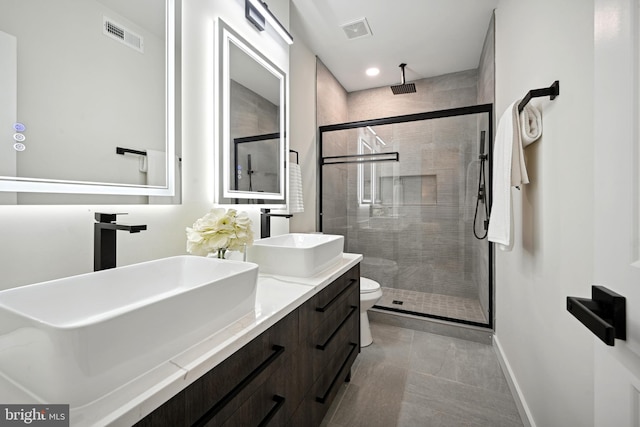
x: 157, y: 175
x: 296, y: 204
x: 509, y: 170
x: 142, y: 164
x: 530, y: 124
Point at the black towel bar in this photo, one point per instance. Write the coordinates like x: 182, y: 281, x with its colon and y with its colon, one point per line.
x: 296, y: 153
x: 551, y: 91
x: 120, y: 150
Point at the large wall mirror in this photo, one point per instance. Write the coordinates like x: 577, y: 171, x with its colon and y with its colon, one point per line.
x: 88, y: 101
x: 252, y: 137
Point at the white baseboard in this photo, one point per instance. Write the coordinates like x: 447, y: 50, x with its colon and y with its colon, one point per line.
x: 523, y: 409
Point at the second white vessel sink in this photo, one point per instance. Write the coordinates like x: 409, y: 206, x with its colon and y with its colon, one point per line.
x: 76, y: 339
x: 296, y: 254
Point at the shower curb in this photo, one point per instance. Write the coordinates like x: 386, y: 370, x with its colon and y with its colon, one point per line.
x: 434, y: 326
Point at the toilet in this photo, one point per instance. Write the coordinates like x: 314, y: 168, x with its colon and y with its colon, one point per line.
x: 370, y: 293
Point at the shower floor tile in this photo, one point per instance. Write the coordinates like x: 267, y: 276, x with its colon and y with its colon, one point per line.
x: 434, y: 304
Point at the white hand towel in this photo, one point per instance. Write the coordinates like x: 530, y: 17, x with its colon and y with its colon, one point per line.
x: 530, y: 124
x: 156, y: 168
x: 157, y: 175
x: 508, y: 171
x: 296, y: 204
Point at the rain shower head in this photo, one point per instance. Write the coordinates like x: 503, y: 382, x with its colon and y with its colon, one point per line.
x: 403, y: 87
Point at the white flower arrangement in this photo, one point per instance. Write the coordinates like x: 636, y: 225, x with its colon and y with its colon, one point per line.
x: 218, y: 231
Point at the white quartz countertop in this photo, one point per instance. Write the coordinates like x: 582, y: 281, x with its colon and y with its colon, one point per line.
x: 276, y: 297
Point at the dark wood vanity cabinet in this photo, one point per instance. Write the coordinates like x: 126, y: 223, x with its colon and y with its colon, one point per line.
x: 287, y: 376
x: 329, y: 344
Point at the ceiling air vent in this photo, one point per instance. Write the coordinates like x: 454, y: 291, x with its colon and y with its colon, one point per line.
x: 357, y: 29
x: 118, y: 32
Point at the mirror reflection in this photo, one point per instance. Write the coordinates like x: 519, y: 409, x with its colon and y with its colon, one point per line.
x: 252, y: 142
x: 84, y: 88
x: 365, y: 173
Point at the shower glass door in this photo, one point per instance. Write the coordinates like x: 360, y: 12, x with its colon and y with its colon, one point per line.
x: 409, y: 194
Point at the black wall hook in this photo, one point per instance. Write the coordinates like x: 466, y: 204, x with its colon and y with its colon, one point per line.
x: 604, y: 314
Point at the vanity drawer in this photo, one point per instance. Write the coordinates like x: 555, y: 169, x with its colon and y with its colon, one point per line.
x: 273, y: 403
x: 319, y: 398
x: 325, y: 298
x: 348, y: 331
x: 215, y: 396
x: 330, y: 342
x: 320, y: 309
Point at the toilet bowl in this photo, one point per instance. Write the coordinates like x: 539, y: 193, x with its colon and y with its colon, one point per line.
x: 370, y: 293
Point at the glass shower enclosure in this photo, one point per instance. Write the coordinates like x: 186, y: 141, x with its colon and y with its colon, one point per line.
x: 410, y: 193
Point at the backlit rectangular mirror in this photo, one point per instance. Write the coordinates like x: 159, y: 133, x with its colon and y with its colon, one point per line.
x: 251, y: 138
x: 88, y: 101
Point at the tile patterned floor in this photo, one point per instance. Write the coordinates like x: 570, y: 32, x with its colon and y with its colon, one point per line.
x: 436, y: 304
x: 409, y: 378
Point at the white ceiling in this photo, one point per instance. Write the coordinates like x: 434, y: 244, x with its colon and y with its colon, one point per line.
x: 434, y: 37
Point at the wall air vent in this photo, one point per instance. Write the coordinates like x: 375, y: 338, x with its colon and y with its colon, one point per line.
x: 112, y: 29
x: 356, y: 29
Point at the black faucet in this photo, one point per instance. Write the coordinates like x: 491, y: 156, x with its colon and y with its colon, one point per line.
x: 104, y: 239
x: 265, y: 221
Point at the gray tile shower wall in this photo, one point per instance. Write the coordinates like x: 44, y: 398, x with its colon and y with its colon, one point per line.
x: 422, y: 246
x: 435, y: 93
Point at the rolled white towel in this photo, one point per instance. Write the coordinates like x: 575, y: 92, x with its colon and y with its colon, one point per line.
x: 530, y: 124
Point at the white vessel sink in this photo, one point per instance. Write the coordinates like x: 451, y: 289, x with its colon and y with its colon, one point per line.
x: 296, y: 254
x: 74, y: 340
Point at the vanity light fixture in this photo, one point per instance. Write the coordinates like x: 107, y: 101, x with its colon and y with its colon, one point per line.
x: 258, y: 13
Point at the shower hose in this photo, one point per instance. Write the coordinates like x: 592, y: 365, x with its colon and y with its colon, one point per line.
x: 482, y: 197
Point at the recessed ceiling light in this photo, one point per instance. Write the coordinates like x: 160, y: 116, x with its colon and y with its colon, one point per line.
x: 373, y: 71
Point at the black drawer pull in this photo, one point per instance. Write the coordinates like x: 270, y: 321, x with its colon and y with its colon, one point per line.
x: 335, y: 379
x: 354, y: 308
x: 277, y: 351
x: 279, y: 402
x: 326, y: 307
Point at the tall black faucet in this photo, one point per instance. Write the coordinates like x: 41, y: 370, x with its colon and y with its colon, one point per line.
x: 265, y: 221
x: 104, y: 239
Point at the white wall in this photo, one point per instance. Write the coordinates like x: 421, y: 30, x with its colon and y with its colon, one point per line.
x: 45, y: 242
x: 8, y: 109
x: 549, y: 352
